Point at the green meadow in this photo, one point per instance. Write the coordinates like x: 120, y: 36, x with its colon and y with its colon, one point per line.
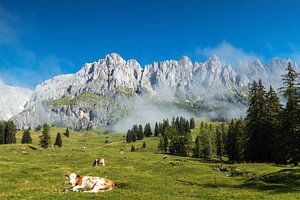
x: 29, y: 173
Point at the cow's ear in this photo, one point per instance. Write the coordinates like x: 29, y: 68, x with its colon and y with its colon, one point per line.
x: 67, y: 176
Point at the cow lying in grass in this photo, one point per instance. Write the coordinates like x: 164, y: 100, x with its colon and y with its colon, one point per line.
x: 89, y: 183
x: 99, y: 161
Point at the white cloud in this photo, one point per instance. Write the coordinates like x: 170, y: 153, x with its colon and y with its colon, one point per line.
x: 228, y: 53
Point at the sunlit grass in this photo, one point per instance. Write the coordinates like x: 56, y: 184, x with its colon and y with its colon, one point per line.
x: 39, y: 174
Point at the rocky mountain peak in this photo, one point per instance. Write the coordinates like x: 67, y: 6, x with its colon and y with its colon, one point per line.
x: 185, y: 61
x: 12, y: 100
x: 214, y: 83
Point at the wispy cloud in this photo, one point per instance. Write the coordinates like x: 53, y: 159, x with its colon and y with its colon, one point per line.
x: 228, y: 53
x: 18, y: 64
x: 8, y: 24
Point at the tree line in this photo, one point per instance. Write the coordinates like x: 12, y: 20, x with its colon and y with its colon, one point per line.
x: 175, y: 137
x: 270, y: 132
x: 7, y: 132
x: 8, y: 135
x: 138, y: 132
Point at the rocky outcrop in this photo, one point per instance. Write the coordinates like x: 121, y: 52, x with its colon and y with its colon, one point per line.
x: 106, y: 89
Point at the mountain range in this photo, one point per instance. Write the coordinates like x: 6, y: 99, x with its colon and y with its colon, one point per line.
x: 107, y: 91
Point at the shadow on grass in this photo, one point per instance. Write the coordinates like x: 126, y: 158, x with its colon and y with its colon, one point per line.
x: 285, y: 180
x: 282, y: 181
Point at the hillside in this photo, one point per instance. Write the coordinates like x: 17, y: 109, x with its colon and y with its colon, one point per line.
x: 144, y: 174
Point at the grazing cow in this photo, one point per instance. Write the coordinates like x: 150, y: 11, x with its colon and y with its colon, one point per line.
x: 89, y: 183
x: 99, y: 161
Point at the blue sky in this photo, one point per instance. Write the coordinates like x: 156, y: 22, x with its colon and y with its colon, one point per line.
x: 40, y: 39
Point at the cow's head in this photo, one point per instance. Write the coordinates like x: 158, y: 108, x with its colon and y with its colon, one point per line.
x: 71, y: 179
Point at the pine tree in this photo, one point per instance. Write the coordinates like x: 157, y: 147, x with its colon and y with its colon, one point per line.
x: 2, y: 132
x: 197, y: 148
x: 290, y: 122
x: 192, y: 123
x: 129, y: 136
x: 180, y: 141
x: 206, y: 125
x: 256, y: 125
x: 140, y: 132
x: 235, y: 140
x: 144, y: 145
x: 147, y: 130
x: 132, y: 148
x: 45, y: 137
x: 26, y: 139
x: 58, y: 141
x: 187, y: 127
x: 202, y: 125
x: 206, y: 144
x: 224, y: 132
x: 219, y: 142
x: 165, y: 124
x: 273, y: 127
x: 10, y: 133
x: 38, y: 128
x: 156, y: 130
x: 161, y: 143
x: 67, y: 133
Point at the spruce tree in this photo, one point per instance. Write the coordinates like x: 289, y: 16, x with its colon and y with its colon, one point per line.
x: 2, y: 132
x: 129, y: 136
x: 219, y: 142
x: 192, y: 123
x: 10, y: 133
x: 161, y: 143
x: 45, y: 137
x: 273, y: 127
x: 38, y: 128
x: 26, y: 139
x: 156, y: 130
x: 290, y: 122
x: 67, y: 133
x: 58, y: 141
x: 165, y: 124
x: 206, y: 125
x: 235, y: 140
x: 202, y: 125
x: 206, y: 144
x: 132, y: 148
x: 147, y: 130
x: 256, y: 132
x: 140, y: 132
x: 187, y: 127
x: 144, y: 145
x: 135, y: 130
x: 197, y: 148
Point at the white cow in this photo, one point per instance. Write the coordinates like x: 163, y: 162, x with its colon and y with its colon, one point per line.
x: 99, y: 161
x: 89, y: 183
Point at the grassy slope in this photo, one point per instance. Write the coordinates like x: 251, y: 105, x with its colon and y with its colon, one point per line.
x: 39, y: 174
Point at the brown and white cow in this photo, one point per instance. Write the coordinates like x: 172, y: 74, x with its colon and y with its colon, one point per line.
x: 99, y: 161
x: 89, y: 183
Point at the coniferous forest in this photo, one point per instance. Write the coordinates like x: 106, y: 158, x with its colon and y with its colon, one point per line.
x: 269, y: 132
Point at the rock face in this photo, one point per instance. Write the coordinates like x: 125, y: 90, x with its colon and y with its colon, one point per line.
x: 12, y: 100
x: 102, y: 92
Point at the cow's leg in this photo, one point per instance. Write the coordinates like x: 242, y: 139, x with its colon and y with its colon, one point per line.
x: 77, y: 188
